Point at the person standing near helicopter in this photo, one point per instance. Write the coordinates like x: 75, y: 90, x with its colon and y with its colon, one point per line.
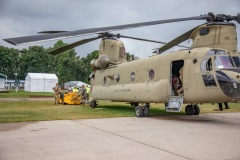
x: 57, y: 91
x: 87, y: 92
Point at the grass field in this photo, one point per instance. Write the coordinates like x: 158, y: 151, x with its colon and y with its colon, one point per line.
x: 23, y: 94
x: 25, y: 111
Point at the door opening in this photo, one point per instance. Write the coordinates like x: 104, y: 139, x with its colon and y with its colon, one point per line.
x: 177, y: 78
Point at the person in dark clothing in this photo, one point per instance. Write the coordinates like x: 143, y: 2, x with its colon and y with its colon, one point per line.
x: 221, y: 107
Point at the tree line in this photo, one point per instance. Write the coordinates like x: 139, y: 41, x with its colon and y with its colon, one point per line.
x: 67, y: 66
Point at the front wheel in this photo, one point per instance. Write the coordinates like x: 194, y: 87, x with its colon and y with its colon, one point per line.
x: 93, y: 104
x: 196, y: 110
x: 189, y: 110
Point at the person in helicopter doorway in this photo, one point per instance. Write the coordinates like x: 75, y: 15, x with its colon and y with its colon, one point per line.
x: 220, y: 106
x: 180, y: 90
x: 177, y: 82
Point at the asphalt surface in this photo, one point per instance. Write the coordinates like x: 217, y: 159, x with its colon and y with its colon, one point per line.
x: 204, y: 137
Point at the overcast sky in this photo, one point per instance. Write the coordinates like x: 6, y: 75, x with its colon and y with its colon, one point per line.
x: 27, y: 17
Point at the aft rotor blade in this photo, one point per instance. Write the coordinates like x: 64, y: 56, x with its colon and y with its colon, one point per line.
x: 177, y: 40
x: 70, y: 46
x: 147, y: 40
x: 69, y: 34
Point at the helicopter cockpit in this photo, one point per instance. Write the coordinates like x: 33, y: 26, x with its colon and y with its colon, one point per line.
x: 222, y: 60
x: 219, y: 66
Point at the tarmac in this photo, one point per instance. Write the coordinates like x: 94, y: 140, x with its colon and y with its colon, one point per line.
x: 175, y: 137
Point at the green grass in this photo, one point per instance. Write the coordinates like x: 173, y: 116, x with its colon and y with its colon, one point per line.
x: 25, y: 111
x: 23, y: 94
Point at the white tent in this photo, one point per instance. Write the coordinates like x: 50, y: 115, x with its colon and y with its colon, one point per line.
x: 3, y: 79
x: 40, y: 82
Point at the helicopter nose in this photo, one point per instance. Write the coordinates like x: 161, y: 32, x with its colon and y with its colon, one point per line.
x: 229, y: 81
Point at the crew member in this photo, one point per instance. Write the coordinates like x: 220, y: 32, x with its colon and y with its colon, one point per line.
x: 83, y: 95
x: 57, y: 91
x: 87, y: 92
x: 75, y: 89
x: 180, y: 91
x: 220, y: 106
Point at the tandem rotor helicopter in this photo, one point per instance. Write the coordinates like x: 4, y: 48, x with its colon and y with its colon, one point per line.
x: 206, y: 72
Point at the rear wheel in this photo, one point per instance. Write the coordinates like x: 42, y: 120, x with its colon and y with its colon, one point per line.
x: 139, y: 111
x: 146, y: 110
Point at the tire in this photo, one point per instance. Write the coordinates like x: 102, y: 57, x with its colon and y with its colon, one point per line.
x: 196, y: 110
x: 93, y: 104
x: 146, y: 111
x: 138, y: 111
x: 189, y: 110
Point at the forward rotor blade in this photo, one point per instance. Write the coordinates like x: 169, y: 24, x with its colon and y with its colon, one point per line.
x: 62, y: 35
x: 177, y: 40
x: 50, y: 32
x: 147, y: 40
x: 70, y: 46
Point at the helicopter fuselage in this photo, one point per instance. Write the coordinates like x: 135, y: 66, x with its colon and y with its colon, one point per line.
x: 150, y: 80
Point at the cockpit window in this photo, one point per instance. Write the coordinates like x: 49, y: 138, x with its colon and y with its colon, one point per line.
x: 223, y: 62
x: 216, y: 52
x: 237, y: 61
x: 206, y: 64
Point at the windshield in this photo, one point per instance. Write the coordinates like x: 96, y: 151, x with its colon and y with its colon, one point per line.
x: 223, y: 62
x: 237, y: 61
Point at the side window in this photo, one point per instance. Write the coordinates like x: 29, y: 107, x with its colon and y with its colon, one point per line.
x: 237, y: 61
x: 105, y: 80
x: 151, y: 74
x: 209, y: 80
x: 206, y: 65
x: 132, y: 76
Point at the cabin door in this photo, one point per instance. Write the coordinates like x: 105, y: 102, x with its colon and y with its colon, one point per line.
x: 176, y: 78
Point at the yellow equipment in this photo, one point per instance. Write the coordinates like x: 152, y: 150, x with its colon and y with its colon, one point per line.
x: 70, y: 98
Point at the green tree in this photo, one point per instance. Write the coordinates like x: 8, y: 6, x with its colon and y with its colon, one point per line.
x: 9, y: 61
x: 86, y: 65
x: 34, y: 60
x: 65, y: 64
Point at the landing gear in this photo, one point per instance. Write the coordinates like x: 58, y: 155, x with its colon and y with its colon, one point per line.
x: 146, y: 110
x: 192, y: 110
x: 138, y: 111
x: 93, y: 104
x: 197, y: 109
x: 141, y: 111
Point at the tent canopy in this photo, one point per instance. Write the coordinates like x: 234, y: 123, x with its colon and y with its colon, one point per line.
x: 3, y: 76
x: 3, y: 79
x: 40, y: 82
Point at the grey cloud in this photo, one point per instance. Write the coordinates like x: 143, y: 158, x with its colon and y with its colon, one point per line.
x: 27, y: 17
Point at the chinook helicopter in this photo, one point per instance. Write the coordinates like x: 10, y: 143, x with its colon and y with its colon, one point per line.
x: 207, y: 72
